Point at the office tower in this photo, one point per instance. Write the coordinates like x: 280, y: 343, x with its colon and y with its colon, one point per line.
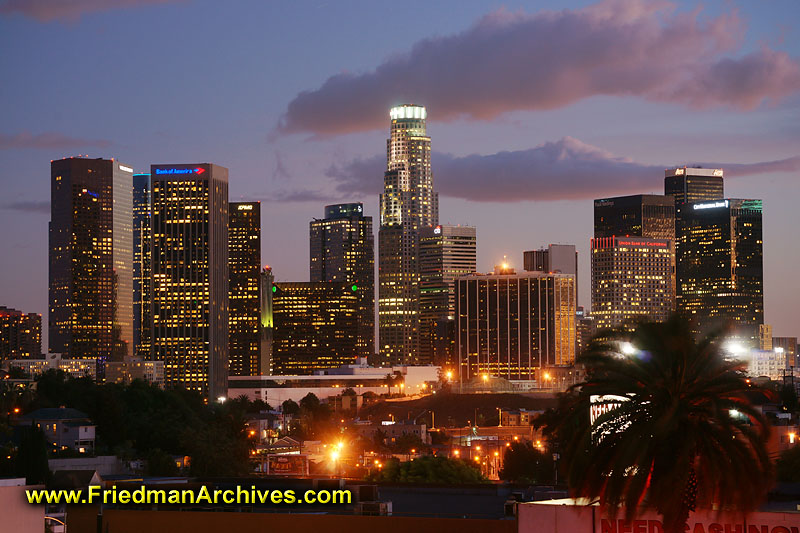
x: 244, y: 309
x: 693, y: 185
x: 91, y: 252
x: 142, y: 320
x: 720, y: 266
x: 559, y: 258
x: 765, y: 337
x: 266, y: 324
x: 631, y: 281
x: 20, y: 334
x: 513, y: 325
x: 407, y: 204
x: 445, y: 254
x: 190, y: 275
x: 315, y: 326
x: 342, y: 249
x: 649, y: 216
x: 789, y: 346
x: 585, y: 328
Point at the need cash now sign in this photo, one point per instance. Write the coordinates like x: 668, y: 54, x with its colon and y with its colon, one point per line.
x: 565, y: 516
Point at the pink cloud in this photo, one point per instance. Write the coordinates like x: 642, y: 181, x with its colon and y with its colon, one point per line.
x: 516, y: 61
x: 567, y: 169
x: 47, y: 141
x: 47, y: 10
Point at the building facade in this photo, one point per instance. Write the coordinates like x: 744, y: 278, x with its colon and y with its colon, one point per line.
x: 632, y: 280
x: 20, y: 334
x: 408, y: 203
x: 342, y: 249
x: 142, y: 212
x: 266, y: 323
x: 720, y: 266
x: 91, y: 253
x: 190, y: 275
x: 787, y: 345
x: 315, y: 326
x: 446, y: 253
x: 693, y: 185
x: 514, y: 326
x: 558, y: 258
x: 244, y: 309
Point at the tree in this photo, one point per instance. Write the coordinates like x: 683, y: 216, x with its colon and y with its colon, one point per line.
x: 429, y: 469
x: 523, y: 463
x: 678, y: 428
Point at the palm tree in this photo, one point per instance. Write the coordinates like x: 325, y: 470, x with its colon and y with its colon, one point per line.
x: 678, y: 427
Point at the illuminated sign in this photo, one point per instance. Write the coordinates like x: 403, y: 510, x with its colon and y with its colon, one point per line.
x: 679, y: 172
x: 245, y: 207
x: 640, y: 243
x: 408, y: 111
x: 712, y: 205
x: 718, y: 172
x: 603, y: 203
x: 437, y: 230
x: 125, y: 169
x: 179, y: 171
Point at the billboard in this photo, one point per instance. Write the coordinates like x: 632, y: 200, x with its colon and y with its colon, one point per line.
x: 287, y: 465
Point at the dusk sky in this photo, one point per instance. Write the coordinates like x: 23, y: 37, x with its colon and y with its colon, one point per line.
x: 534, y: 109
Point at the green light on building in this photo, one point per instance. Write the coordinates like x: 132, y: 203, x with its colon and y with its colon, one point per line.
x: 354, y: 288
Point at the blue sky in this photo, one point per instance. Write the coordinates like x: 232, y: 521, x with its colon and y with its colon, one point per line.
x: 202, y: 81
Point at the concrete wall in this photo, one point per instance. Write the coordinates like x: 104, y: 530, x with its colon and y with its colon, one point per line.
x: 17, y: 514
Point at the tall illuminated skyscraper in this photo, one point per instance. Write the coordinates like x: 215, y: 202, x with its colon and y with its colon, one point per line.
x: 720, y: 265
x: 342, y: 249
x: 190, y: 275
x: 142, y: 211
x: 244, y: 260
x: 693, y: 185
x: 445, y: 254
x: 408, y: 203
x: 91, y: 251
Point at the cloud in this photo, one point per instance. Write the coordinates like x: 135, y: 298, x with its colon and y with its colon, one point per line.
x: 567, y: 169
x: 47, y: 10
x: 29, y: 207
x: 47, y: 141
x: 516, y: 61
x: 301, y: 195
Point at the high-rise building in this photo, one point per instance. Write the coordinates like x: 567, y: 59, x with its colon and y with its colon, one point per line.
x: 266, y: 325
x: 20, y: 334
x: 407, y: 204
x: 342, y: 249
x: 142, y: 211
x: 315, y: 326
x: 91, y: 252
x: 514, y: 325
x: 585, y: 329
x: 556, y: 258
x: 190, y: 275
x: 693, y: 185
x: 720, y: 266
x: 244, y: 309
x: 446, y: 253
x: 632, y: 279
x: 650, y: 216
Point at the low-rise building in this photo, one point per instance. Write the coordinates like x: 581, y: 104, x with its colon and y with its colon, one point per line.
x: 63, y: 427
x: 135, y: 368
x: 391, y: 430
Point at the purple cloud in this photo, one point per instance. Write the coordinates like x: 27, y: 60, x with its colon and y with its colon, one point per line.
x: 29, y: 207
x: 567, y: 169
x: 47, y: 10
x: 47, y: 141
x: 516, y: 61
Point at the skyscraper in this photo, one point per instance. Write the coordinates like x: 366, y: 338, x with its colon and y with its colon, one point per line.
x: 514, y: 325
x: 445, y: 254
x: 720, y: 265
x: 142, y: 211
x: 244, y: 310
x: 561, y: 258
x: 266, y: 325
x: 315, y: 326
x: 342, y: 249
x: 632, y: 279
x: 190, y: 275
x: 20, y: 334
x: 407, y: 204
x: 91, y: 251
x: 649, y: 216
x: 693, y: 185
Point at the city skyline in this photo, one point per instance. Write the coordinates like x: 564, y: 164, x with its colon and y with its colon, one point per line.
x: 268, y: 167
